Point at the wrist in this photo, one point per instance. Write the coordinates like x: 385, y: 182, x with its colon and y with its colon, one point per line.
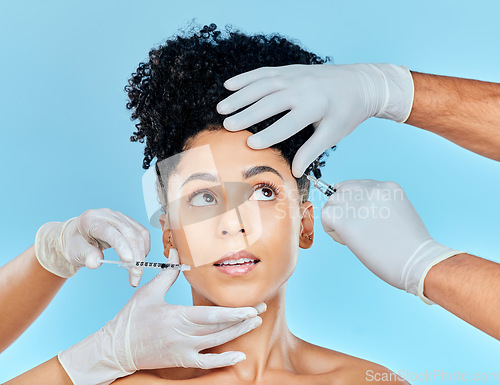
x: 423, y: 259
x: 432, y: 281
x: 49, y: 249
x: 421, y: 284
x: 399, y: 92
x: 92, y: 361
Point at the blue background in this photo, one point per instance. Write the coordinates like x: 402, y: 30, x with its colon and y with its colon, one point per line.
x: 65, y: 148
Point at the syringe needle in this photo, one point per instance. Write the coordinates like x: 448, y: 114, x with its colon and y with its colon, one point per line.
x: 322, y: 186
x: 113, y: 262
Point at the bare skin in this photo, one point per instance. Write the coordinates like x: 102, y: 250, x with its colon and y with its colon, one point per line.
x: 49, y: 373
x: 274, y: 354
x: 467, y: 286
x: 310, y: 362
x: 464, y: 111
x: 26, y: 289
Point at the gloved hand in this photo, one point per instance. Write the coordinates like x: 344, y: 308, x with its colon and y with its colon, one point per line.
x: 380, y: 226
x: 149, y: 333
x: 335, y: 98
x: 62, y: 248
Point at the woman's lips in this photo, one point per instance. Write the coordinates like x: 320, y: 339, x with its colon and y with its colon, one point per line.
x: 237, y: 263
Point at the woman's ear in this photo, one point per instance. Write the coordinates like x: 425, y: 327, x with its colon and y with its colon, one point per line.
x: 306, y: 225
x: 167, y: 235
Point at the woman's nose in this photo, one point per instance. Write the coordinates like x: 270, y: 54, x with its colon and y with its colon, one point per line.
x: 231, y: 223
x: 224, y: 232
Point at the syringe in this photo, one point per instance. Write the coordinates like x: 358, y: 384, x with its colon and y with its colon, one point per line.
x: 152, y: 265
x: 328, y: 190
x: 322, y: 186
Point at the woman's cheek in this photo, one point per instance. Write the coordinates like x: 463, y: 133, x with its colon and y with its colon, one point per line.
x: 281, y: 209
x: 278, y: 213
x: 277, y: 226
x: 182, y: 245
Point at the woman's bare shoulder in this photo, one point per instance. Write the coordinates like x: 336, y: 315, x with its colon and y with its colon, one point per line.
x: 167, y: 376
x: 341, y: 368
x: 140, y: 378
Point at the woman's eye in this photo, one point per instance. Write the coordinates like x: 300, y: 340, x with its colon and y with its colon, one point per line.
x: 263, y: 194
x: 203, y: 199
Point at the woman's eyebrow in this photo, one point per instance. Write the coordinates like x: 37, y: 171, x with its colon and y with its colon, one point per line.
x: 248, y: 173
x: 201, y: 176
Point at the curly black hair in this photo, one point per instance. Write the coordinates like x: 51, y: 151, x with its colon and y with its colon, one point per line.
x: 174, y: 94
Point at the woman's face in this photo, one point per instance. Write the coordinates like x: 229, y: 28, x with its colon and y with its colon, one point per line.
x: 231, y: 198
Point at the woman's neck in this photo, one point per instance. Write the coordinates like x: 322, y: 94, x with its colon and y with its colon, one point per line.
x: 266, y: 347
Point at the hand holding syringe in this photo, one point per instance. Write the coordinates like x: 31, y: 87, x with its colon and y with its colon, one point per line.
x: 152, y: 265
x: 62, y: 248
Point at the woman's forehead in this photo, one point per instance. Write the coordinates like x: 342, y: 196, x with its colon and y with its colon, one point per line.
x: 227, y: 155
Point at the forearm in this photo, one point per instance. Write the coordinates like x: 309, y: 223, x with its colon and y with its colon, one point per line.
x: 469, y: 287
x: 26, y: 289
x: 50, y: 373
x: 464, y: 111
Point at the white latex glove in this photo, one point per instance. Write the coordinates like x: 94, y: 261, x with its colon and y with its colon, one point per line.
x: 380, y: 226
x: 335, y: 98
x: 63, y: 247
x: 149, y: 333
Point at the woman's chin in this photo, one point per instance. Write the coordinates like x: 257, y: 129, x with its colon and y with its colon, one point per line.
x: 230, y: 298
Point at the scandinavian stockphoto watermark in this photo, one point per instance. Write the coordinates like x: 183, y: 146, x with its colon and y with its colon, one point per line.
x: 354, y: 203
x: 362, y: 203
x: 439, y: 376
